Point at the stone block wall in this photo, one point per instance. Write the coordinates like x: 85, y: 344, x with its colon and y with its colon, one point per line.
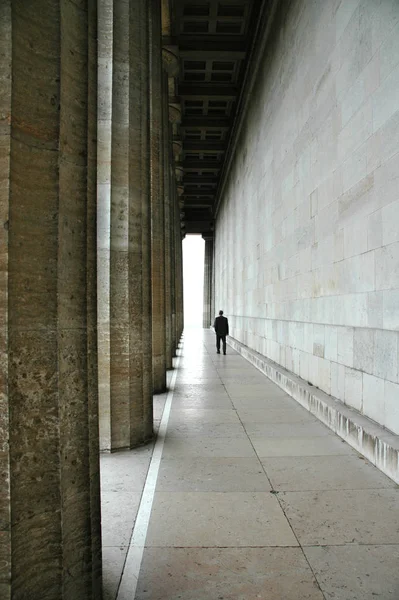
x: 307, y: 234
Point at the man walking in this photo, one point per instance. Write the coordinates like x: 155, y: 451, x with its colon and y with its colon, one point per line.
x: 221, y: 327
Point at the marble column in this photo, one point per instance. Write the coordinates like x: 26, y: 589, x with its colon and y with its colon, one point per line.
x: 140, y: 289
x: 52, y: 385
x: 208, y: 281
x: 157, y: 202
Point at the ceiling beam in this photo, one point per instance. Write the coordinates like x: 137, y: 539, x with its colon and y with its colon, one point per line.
x: 202, y: 164
x: 199, y: 179
x: 196, y: 205
x: 203, y: 145
x: 198, y: 91
x: 200, y: 227
x: 204, y: 123
x: 217, y: 49
x: 205, y: 194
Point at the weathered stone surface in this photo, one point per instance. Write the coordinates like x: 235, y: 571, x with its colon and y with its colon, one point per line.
x: 105, y: 37
x: 52, y: 382
x: 157, y: 202
x: 167, y: 170
x: 5, y: 139
x: 124, y: 253
x: 140, y: 293
x: 119, y: 232
x: 92, y: 356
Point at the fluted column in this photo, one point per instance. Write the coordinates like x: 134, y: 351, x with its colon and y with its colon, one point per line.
x: 213, y: 308
x: 119, y: 232
x: 179, y: 276
x: 92, y: 350
x: 140, y: 291
x: 104, y: 128
x: 208, y: 281
x: 171, y: 117
x: 173, y: 266
x: 124, y: 228
x: 52, y: 429
x: 168, y: 225
x: 5, y: 142
x: 157, y: 202
x: 177, y: 238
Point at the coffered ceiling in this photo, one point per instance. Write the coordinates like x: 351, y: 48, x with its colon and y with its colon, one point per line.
x: 213, y: 38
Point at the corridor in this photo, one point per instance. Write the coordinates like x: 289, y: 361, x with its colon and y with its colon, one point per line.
x: 248, y: 496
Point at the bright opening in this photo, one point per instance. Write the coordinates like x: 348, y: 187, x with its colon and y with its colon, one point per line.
x: 193, y: 280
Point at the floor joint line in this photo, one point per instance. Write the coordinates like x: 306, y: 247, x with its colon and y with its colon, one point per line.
x: 130, y: 575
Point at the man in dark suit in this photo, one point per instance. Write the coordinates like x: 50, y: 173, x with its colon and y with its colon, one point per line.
x: 221, y: 327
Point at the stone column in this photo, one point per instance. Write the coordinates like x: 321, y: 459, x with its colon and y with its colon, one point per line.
x: 181, y: 287
x: 173, y: 265
x: 213, y: 308
x: 179, y: 277
x: 178, y: 273
x: 172, y: 116
x: 119, y: 232
x: 157, y: 203
x: 124, y: 231
x: 177, y: 242
x: 168, y: 224
x: 105, y: 21
x: 140, y: 293
x: 92, y: 350
x: 5, y: 141
x: 53, y: 468
x: 208, y: 281
x: 113, y: 225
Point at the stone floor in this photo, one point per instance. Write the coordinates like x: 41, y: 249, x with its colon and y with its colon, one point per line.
x: 247, y: 497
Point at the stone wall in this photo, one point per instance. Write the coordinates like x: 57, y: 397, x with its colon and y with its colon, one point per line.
x: 307, y: 235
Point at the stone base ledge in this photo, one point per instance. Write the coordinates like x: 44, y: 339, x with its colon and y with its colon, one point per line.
x: 371, y: 440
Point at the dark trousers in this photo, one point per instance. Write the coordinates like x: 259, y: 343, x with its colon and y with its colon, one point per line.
x: 223, y: 338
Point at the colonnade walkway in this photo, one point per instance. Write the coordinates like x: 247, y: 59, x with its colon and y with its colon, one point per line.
x: 248, y: 496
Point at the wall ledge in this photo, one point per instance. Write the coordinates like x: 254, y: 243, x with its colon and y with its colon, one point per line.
x: 375, y: 443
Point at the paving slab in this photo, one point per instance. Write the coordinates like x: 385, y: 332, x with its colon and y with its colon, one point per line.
x: 278, y: 429
x: 206, y: 474
x: 276, y: 415
x: 215, y: 519
x: 203, y: 401
x: 228, y: 573
x: 113, y: 562
x: 218, y: 430
x: 330, y: 517
x: 266, y: 403
x: 325, y: 445
x: 216, y: 447
x: 202, y: 415
x: 356, y: 572
x: 296, y: 473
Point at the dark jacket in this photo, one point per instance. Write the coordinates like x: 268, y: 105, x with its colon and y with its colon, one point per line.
x: 221, y: 326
